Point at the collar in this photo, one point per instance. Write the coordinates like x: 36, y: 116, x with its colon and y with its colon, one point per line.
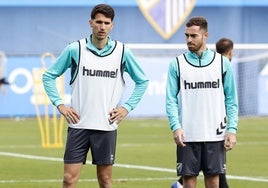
x: 105, y: 49
x: 205, y: 53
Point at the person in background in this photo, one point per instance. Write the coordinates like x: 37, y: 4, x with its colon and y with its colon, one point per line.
x: 202, y: 108
x: 225, y: 47
x: 3, y: 80
x: 97, y: 65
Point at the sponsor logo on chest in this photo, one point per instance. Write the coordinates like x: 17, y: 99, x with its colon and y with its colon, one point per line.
x: 99, y: 73
x: 201, y: 85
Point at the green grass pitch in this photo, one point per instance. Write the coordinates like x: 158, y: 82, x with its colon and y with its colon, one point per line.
x: 145, y: 156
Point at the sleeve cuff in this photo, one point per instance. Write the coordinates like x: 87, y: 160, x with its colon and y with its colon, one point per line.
x: 231, y: 130
x: 57, y: 103
x: 127, y: 107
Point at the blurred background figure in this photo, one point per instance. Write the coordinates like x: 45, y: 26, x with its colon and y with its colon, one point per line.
x: 3, y: 80
x: 225, y: 47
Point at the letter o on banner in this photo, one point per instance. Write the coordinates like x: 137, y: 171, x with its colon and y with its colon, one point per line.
x: 13, y: 77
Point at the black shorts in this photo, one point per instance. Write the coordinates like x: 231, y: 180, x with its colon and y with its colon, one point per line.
x: 209, y: 157
x: 101, y: 143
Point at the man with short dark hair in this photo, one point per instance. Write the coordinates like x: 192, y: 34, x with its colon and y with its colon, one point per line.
x: 224, y: 46
x: 202, y: 108
x: 97, y: 65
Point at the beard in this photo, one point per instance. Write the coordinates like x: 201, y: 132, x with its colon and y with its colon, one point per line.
x: 194, y: 47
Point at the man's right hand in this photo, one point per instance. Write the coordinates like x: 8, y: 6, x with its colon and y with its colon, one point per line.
x: 69, y: 113
x: 179, y: 137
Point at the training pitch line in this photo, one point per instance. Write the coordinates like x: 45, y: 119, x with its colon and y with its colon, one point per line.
x: 140, y: 167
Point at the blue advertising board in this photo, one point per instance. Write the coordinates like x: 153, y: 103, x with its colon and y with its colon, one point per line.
x: 19, y: 97
x: 153, y: 101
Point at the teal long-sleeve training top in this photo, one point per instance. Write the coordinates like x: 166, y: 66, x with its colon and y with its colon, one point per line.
x: 70, y: 56
x: 173, y: 103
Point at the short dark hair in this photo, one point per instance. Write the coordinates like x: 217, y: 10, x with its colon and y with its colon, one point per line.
x: 104, y: 9
x: 198, y: 21
x: 224, y: 45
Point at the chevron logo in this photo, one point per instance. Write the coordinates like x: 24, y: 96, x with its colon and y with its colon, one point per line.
x: 221, y: 129
x: 166, y: 16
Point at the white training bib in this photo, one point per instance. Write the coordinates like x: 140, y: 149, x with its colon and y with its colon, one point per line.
x: 203, y: 113
x: 98, y: 87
